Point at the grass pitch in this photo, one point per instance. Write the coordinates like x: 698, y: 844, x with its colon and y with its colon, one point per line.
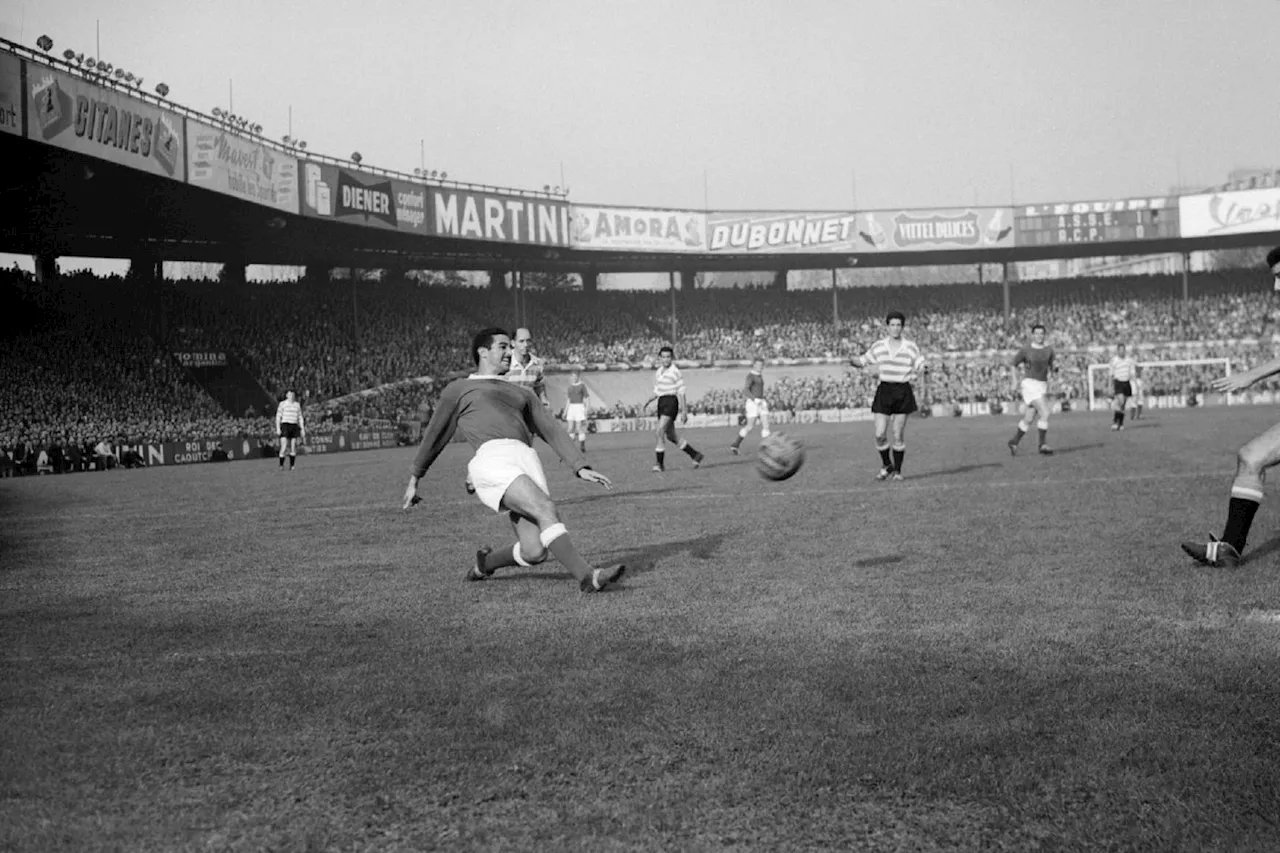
x: 996, y: 654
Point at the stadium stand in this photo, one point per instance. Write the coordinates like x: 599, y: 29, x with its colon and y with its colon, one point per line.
x: 86, y: 359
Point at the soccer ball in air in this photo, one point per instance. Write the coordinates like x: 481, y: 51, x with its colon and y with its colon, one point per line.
x: 780, y: 456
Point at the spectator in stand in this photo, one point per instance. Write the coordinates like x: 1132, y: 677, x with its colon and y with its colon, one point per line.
x: 104, y: 455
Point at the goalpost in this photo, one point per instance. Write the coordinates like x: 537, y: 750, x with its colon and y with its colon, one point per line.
x: 1156, y: 374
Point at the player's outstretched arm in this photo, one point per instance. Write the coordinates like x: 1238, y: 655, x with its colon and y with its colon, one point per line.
x: 593, y: 476
x: 1241, y: 381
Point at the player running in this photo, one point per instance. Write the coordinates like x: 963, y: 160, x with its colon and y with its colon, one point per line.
x: 1037, y: 361
x: 499, y: 419
x: 575, y: 414
x: 1252, y: 462
x: 755, y: 407
x: 1123, y: 372
x: 290, y: 427
x: 899, y: 362
x: 668, y: 390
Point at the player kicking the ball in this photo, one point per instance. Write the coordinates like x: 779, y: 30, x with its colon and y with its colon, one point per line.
x: 1252, y: 462
x: 1037, y: 361
x: 499, y: 419
x: 755, y: 408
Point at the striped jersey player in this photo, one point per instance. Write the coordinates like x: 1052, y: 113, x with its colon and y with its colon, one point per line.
x: 668, y: 390
x: 1123, y: 371
x: 526, y: 368
x: 289, y: 427
x: 1036, y: 360
x: 900, y: 362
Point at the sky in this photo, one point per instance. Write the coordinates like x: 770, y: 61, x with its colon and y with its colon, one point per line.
x: 727, y: 104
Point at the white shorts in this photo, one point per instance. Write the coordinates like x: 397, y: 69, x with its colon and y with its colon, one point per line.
x: 496, y: 466
x: 757, y: 408
x: 576, y: 412
x: 1033, y: 390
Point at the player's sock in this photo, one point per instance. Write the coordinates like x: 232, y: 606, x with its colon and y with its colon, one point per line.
x: 1240, y: 517
x: 582, y: 445
x: 886, y: 457
x: 1120, y: 417
x: 281, y: 460
x: 1044, y: 433
x: 556, y: 539
x: 737, y: 442
x: 1018, y: 434
x: 1115, y: 418
x: 292, y: 459
x: 689, y: 450
x: 898, y: 455
x: 659, y: 455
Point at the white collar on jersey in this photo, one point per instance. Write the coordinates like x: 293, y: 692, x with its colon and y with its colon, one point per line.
x: 483, y: 376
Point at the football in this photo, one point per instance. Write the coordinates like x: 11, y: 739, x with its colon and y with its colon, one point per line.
x: 780, y: 456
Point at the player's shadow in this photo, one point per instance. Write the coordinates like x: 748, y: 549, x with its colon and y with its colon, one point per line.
x: 962, y: 469
x: 886, y: 560
x: 1130, y: 426
x: 645, y: 558
x: 1266, y: 549
x: 1063, y: 451
x: 622, y: 493
x: 637, y: 561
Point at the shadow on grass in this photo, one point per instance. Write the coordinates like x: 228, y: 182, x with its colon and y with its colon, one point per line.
x: 946, y: 472
x: 619, y: 493
x: 873, y: 562
x: 1063, y: 451
x: 636, y: 560
x: 1132, y: 425
x: 1266, y: 549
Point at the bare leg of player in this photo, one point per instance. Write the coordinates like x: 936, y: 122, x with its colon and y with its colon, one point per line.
x: 1252, y: 462
x: 882, y: 447
x: 538, y: 531
x: 898, y: 442
x: 1042, y: 425
x: 1024, y: 425
x: 665, y: 427
x: 743, y: 433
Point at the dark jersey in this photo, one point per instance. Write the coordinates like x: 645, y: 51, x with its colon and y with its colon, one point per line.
x: 484, y: 408
x: 754, y: 389
x: 577, y: 392
x: 1038, y: 361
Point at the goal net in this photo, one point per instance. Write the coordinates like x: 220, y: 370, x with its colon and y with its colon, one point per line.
x: 1159, y: 378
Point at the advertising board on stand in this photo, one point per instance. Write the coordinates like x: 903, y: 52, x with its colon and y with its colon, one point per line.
x: 636, y: 229
x: 252, y: 447
x: 779, y: 233
x: 222, y: 161
x: 1110, y: 220
x: 361, y: 198
x: 10, y: 94
x: 934, y: 230
x: 71, y: 113
x: 1238, y: 212
x: 479, y: 215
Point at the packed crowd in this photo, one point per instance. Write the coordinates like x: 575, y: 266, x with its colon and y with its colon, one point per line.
x: 86, y: 358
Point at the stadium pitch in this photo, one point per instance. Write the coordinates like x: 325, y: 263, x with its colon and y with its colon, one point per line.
x: 996, y: 653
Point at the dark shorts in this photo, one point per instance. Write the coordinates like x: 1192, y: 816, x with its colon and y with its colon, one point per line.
x: 894, y: 398
x: 668, y: 406
x: 1119, y: 388
x: 290, y: 431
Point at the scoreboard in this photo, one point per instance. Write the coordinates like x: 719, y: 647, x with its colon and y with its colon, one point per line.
x: 1115, y: 221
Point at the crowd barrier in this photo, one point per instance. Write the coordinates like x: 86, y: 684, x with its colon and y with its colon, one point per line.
x: 251, y: 447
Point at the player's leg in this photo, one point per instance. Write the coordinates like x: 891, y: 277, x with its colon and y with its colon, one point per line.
x: 1042, y: 426
x: 683, y: 444
x: 293, y: 452
x: 898, y: 442
x: 666, y: 429
x: 284, y: 447
x: 882, y: 446
x: 748, y: 423
x: 1024, y: 426
x: 1252, y: 462
x: 762, y: 414
x: 539, y: 530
